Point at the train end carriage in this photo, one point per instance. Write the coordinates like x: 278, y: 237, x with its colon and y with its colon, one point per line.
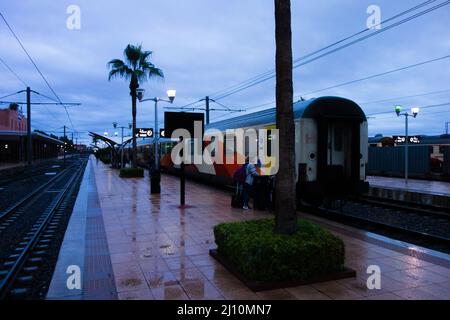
x: 331, y: 149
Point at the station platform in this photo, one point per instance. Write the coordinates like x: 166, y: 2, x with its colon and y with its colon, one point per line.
x: 129, y: 244
x: 435, y: 193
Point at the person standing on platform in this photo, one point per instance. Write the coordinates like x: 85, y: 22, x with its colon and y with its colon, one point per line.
x: 250, y: 172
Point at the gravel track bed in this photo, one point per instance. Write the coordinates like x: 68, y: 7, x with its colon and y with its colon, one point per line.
x: 409, y: 220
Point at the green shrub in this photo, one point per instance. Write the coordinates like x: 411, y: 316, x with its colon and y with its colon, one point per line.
x: 261, y: 255
x: 132, y: 173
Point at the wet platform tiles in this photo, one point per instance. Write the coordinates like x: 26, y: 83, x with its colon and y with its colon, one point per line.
x: 157, y: 251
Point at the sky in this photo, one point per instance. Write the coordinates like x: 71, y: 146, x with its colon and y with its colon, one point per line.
x: 205, y: 46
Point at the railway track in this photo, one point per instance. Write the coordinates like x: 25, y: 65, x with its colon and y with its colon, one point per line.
x: 426, y: 226
x: 30, y: 227
x: 36, y: 170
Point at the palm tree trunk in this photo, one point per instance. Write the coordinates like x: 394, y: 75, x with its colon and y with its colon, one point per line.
x: 133, y: 87
x: 285, y: 210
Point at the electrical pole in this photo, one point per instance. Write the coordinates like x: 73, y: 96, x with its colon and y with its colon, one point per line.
x: 406, y: 148
x: 121, y: 151
x: 29, y: 142
x: 207, y: 109
x: 64, y: 146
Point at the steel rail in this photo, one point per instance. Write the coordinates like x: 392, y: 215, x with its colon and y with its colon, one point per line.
x: 49, y: 212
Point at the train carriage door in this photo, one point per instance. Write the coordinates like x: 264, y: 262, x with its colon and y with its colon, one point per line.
x: 343, y: 149
x: 339, y: 148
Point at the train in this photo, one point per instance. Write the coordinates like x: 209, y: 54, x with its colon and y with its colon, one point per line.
x: 331, y: 149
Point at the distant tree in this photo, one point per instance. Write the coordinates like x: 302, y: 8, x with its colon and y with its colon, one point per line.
x: 94, y: 140
x: 136, y: 68
x: 13, y: 106
x: 285, y: 206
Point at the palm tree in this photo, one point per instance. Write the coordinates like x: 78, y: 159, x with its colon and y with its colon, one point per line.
x: 285, y: 207
x: 136, y: 68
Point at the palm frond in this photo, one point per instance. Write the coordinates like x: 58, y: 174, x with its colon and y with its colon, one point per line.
x: 136, y: 62
x: 119, y: 68
x: 132, y: 54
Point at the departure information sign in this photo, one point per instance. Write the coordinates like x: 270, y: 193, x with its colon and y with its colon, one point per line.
x: 144, y: 132
x: 411, y: 139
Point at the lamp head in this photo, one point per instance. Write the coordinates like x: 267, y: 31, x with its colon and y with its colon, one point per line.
x: 398, y: 109
x: 115, y: 125
x: 130, y: 125
x: 140, y: 94
x: 415, y: 111
x: 171, y: 95
x: 106, y: 133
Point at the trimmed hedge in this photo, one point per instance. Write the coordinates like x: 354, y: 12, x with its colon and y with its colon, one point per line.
x: 132, y: 173
x: 261, y: 255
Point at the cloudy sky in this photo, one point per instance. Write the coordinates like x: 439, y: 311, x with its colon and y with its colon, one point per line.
x: 205, y: 46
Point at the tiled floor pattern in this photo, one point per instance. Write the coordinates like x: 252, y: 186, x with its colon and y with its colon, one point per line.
x: 159, y: 251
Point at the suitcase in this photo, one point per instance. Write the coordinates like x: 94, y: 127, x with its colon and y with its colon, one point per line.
x: 236, y: 198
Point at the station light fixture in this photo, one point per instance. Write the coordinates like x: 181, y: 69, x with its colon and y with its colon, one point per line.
x: 171, y: 94
x: 415, y: 111
x: 106, y: 133
x: 398, y: 109
x: 116, y: 134
x: 140, y: 94
x: 115, y: 125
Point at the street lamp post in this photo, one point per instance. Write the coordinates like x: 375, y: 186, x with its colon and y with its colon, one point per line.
x: 121, y: 145
x: 414, y: 112
x: 155, y: 177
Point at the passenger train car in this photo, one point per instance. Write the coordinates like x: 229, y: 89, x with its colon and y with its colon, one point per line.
x: 331, y: 149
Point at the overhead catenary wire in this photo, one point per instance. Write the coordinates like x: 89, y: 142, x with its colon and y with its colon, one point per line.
x: 358, y: 80
x: 424, y: 107
x: 13, y: 72
x: 384, y: 29
x: 10, y: 95
x: 36, y: 67
x: 406, y: 97
x: 375, y: 75
x: 252, y: 79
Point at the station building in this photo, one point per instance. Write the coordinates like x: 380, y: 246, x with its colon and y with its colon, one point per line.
x: 13, y: 139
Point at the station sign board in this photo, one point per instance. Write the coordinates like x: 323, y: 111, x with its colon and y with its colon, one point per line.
x: 144, y: 132
x: 182, y: 120
x: 411, y: 139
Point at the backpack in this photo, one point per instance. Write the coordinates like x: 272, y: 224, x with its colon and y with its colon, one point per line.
x: 240, y: 174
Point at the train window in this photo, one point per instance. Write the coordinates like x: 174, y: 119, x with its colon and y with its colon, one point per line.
x: 338, y: 138
x: 247, y: 146
x: 213, y: 151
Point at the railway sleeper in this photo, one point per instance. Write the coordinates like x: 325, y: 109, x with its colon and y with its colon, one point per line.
x: 40, y: 253
x: 35, y: 260
x: 25, y: 279
x: 19, y: 292
x: 9, y: 263
x: 30, y: 269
